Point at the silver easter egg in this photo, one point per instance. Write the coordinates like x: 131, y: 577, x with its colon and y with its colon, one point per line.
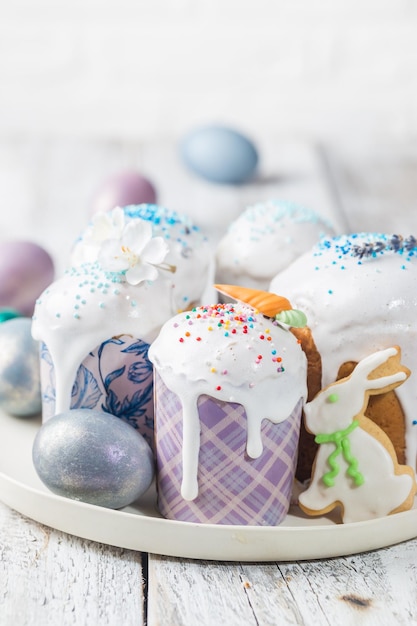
x: 94, y: 457
x: 20, y: 389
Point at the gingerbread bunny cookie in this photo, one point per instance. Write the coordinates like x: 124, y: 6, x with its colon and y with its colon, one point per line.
x: 356, y: 467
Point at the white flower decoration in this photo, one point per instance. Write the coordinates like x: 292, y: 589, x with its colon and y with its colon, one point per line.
x: 108, y: 225
x: 104, y: 226
x: 135, y: 252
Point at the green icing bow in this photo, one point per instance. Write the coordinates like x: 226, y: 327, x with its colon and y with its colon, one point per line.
x: 340, y: 438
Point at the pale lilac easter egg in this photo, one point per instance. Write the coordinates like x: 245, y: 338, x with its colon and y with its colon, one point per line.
x: 26, y: 269
x: 123, y: 189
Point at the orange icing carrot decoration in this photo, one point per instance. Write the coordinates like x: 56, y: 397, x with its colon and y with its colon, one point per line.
x: 265, y: 302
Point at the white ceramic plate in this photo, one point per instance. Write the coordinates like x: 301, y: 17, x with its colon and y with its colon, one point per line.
x: 140, y: 527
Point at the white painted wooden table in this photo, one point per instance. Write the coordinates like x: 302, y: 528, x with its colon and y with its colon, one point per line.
x: 50, y: 578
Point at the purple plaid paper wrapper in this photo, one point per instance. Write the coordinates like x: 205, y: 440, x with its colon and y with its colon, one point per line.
x: 233, y: 488
x: 116, y: 377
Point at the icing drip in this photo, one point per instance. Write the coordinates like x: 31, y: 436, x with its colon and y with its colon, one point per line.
x: 232, y: 354
x: 87, y: 307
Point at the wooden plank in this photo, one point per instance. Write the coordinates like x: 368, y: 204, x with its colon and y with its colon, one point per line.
x: 372, y: 588
x: 48, y: 577
x: 375, y: 185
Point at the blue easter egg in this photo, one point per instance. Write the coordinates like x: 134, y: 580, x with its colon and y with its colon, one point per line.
x: 93, y: 457
x: 219, y: 154
x: 20, y: 386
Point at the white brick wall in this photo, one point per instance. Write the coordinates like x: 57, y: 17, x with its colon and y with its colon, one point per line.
x: 142, y: 68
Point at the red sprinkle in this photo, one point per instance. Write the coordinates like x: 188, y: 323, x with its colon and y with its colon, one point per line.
x: 181, y: 339
x: 218, y: 387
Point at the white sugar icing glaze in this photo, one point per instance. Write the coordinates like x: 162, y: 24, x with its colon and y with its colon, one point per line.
x: 356, y: 306
x: 233, y: 354
x: 88, y: 306
x: 332, y: 412
x: 265, y: 239
x: 189, y: 252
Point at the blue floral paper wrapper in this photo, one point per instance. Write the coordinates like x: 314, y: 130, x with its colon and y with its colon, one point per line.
x: 116, y: 377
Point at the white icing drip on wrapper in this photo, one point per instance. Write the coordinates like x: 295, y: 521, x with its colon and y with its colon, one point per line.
x: 233, y: 354
x: 359, y: 293
x: 88, y: 306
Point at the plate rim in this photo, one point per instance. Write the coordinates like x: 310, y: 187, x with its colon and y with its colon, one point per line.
x: 146, y: 533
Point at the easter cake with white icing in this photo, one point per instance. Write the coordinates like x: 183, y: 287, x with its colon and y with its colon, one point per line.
x: 264, y: 240
x: 359, y: 294
x: 132, y: 269
x: 230, y: 386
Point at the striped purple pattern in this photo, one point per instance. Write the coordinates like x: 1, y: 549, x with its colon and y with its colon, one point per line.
x: 233, y: 488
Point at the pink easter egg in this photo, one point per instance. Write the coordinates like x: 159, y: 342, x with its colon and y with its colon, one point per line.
x: 26, y: 270
x: 122, y: 189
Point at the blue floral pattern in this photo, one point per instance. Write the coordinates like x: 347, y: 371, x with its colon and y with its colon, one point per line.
x: 116, y: 378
